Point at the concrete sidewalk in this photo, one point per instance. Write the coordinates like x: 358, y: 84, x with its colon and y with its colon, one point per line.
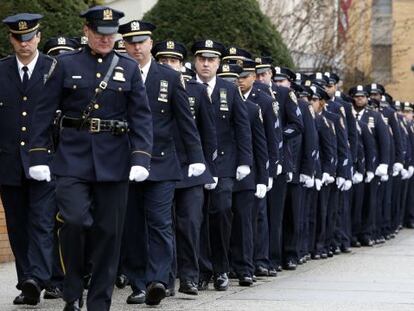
x: 377, y: 279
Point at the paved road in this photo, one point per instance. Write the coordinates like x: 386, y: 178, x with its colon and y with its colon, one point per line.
x: 378, y: 279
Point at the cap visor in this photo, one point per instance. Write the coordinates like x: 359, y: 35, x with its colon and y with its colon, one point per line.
x: 360, y: 94
x: 205, y: 54
x: 25, y: 37
x: 279, y: 78
x: 229, y: 79
x: 245, y: 74
x: 136, y: 39
x: 262, y: 70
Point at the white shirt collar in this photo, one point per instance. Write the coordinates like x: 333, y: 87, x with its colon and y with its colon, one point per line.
x: 30, y: 66
x: 144, y: 70
x: 246, y: 95
x: 359, y: 113
x: 211, y: 84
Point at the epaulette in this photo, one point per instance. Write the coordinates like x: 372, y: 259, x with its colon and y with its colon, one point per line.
x: 6, y: 58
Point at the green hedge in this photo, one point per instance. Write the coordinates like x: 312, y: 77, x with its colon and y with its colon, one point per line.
x: 237, y: 22
x: 61, y: 17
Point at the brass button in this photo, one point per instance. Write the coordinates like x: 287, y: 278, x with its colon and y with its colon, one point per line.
x: 120, y: 89
x: 222, y: 153
x: 162, y: 110
x: 96, y: 90
x: 98, y: 75
x: 24, y: 113
x: 24, y: 98
x: 96, y: 106
x: 74, y: 87
x: 1, y: 104
x: 22, y: 143
x: 224, y: 116
x: 48, y: 151
x: 23, y: 129
x: 162, y: 153
x: 99, y: 60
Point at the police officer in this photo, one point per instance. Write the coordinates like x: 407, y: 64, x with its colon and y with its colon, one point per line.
x: 189, y: 194
x: 233, y: 161
x: 105, y: 136
x: 58, y: 45
x: 29, y: 204
x: 170, y: 107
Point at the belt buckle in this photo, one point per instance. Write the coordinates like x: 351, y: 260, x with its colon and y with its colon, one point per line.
x: 95, y: 125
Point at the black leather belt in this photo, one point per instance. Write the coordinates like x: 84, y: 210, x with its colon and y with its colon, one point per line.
x: 95, y: 125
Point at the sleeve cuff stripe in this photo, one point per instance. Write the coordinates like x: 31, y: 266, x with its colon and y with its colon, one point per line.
x: 38, y: 149
x: 143, y: 152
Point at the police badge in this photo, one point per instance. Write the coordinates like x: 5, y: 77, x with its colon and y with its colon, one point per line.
x: 293, y: 97
x: 275, y: 106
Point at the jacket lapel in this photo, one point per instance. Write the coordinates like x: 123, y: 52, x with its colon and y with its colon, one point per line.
x: 37, y: 73
x: 14, y: 75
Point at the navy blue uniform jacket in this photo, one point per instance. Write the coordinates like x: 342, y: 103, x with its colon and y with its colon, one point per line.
x: 94, y: 156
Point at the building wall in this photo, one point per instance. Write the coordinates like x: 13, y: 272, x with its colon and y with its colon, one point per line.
x: 133, y: 9
x: 401, y: 85
x: 5, y: 251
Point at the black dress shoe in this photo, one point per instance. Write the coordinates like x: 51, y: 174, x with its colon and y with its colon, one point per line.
x: 367, y: 242
x: 188, y: 287
x: 316, y: 256
x: 121, y: 281
x: 203, y: 284
x: 19, y: 300
x: 290, y: 265
x: 74, y: 305
x: 337, y: 250
x: 301, y: 261
x: 245, y: 280
x: 31, y: 291
x: 170, y: 292
x: 221, y: 282
x: 324, y: 255
x: 261, y: 271
x: 272, y: 272
x: 136, y: 298
x: 346, y: 250
x: 52, y: 292
x: 254, y: 278
x: 155, y: 293
x: 279, y: 268
x: 232, y: 275
x: 330, y: 254
x: 355, y: 244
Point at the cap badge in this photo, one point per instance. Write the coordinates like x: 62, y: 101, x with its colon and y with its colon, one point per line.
x: 226, y: 68
x: 84, y: 40
x: 134, y: 26
x: 318, y: 75
x: 170, y: 45
x: 107, y: 15
x: 298, y: 76
x: 374, y: 86
x: 233, y: 51
x: 22, y: 25
x: 61, y: 41
x: 209, y: 44
x: 360, y: 88
x: 258, y: 60
x: 277, y: 69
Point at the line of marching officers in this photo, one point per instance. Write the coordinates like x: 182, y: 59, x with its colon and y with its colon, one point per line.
x: 123, y: 166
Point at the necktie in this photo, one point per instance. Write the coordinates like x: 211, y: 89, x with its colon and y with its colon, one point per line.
x: 208, y: 89
x: 357, y: 116
x: 25, y: 77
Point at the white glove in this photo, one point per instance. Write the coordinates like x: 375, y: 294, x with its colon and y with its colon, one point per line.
x: 213, y: 185
x: 138, y: 173
x: 357, y: 178
x: 404, y: 174
x: 381, y: 170
x: 242, y: 171
x: 289, y: 177
x: 196, y: 169
x: 340, y: 182
x: 270, y: 184
x: 370, y: 177
x: 303, y: 178
x: 278, y: 169
x: 346, y: 186
x: 384, y: 178
x: 260, y: 191
x: 40, y: 172
x: 310, y: 183
x: 318, y: 184
x: 396, y: 168
x: 410, y: 171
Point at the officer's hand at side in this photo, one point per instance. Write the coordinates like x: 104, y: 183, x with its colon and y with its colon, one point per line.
x: 357, y: 178
x: 384, y: 178
x: 381, y: 170
x: 213, y: 185
x: 196, y: 169
x: 310, y: 183
x: 260, y: 191
x: 279, y: 169
x: 270, y: 184
x: 396, y: 168
x: 404, y: 174
x: 318, y: 184
x: 138, y: 173
x: 289, y: 177
x: 303, y: 178
x: 340, y: 182
x: 410, y: 171
x: 40, y: 172
x: 242, y: 171
x: 347, y: 185
x: 370, y: 176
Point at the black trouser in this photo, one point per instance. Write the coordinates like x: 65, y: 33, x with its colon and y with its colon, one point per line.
x: 385, y: 228
x: 343, y: 221
x: 321, y: 220
x: 291, y: 222
x: 404, y: 192
x: 242, y: 233
x: 305, y: 219
x: 92, y: 214
x: 369, y: 209
x: 260, y: 234
x: 30, y: 211
x: 396, y: 202
x: 275, y: 210
x: 220, y: 218
x: 331, y: 217
x: 153, y: 201
x: 356, y: 207
x: 409, y: 212
x: 188, y: 218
